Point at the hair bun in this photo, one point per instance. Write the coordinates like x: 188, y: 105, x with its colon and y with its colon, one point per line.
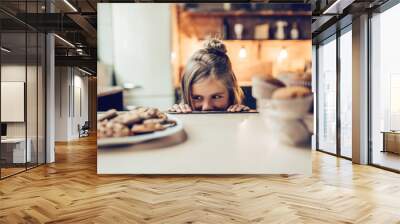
x: 214, y: 45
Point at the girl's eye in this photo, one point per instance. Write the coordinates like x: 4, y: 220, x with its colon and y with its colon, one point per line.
x: 217, y: 97
x: 196, y: 97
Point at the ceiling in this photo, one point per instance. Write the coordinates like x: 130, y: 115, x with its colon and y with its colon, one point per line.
x: 73, y: 20
x: 330, y: 15
x: 76, y: 22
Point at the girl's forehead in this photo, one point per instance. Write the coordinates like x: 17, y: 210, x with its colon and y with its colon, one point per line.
x: 209, y: 80
x: 208, y: 85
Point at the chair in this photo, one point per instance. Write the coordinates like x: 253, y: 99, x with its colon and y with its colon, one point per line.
x: 84, y: 129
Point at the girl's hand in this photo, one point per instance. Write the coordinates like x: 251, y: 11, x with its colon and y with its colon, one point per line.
x: 237, y: 108
x: 180, y: 108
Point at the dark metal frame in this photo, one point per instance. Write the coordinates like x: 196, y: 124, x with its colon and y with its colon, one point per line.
x: 45, y: 89
x: 369, y: 101
x: 338, y: 98
x: 380, y: 9
x: 316, y: 109
x: 25, y: 89
x: 317, y: 94
x: 339, y: 32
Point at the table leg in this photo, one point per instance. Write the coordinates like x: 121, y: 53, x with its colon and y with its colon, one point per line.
x: 384, y: 142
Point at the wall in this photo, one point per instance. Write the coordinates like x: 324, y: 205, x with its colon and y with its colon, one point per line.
x: 105, y: 30
x: 71, y: 102
x: 141, y: 47
x: 14, y: 73
x: 190, y: 30
x: 104, y: 38
x: 17, y: 73
x: 261, y: 56
x: 33, y: 127
x: 61, y: 103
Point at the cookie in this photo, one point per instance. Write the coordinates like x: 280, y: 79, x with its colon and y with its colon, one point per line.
x: 112, y: 129
x: 155, y: 120
x: 291, y: 92
x: 162, y: 115
x: 107, y: 115
x: 146, y: 128
x: 129, y: 118
x: 148, y: 114
x: 275, y: 82
x: 153, y: 112
x: 120, y: 130
x: 141, y: 109
x: 141, y: 120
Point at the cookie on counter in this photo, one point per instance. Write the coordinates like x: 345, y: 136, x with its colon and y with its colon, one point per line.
x: 110, y: 114
x: 146, y: 128
x: 155, y: 120
x: 291, y: 92
x: 128, y: 118
x: 108, y: 129
x: 276, y: 82
x: 140, y: 120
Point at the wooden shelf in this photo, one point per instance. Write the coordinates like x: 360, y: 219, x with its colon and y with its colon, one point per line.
x: 263, y: 40
x: 259, y: 40
x: 262, y: 13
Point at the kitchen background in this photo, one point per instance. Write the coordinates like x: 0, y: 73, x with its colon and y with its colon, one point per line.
x: 144, y: 59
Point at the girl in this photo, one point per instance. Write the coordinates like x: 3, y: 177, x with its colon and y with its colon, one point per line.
x: 208, y: 82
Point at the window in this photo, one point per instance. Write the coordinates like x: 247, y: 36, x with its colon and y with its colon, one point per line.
x: 327, y: 96
x: 346, y: 93
x: 22, y: 77
x: 385, y: 89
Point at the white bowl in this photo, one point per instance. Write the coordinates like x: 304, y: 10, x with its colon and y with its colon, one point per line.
x: 309, y: 122
x: 289, y: 80
x: 287, y: 109
x: 288, y: 131
x: 261, y: 89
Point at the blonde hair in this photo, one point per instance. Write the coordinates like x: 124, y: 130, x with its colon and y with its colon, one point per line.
x: 210, y: 61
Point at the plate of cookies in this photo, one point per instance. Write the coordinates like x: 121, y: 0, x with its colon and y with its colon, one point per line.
x: 134, y: 126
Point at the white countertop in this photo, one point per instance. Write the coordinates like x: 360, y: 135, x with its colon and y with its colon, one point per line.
x: 13, y: 140
x: 210, y: 144
x: 105, y: 91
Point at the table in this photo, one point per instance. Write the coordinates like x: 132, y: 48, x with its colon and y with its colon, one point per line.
x: 211, y: 144
x: 17, y: 151
x: 391, y: 141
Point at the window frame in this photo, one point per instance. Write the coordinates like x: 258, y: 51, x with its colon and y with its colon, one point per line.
x: 346, y: 26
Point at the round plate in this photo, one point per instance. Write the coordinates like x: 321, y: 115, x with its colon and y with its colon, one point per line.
x: 114, y: 141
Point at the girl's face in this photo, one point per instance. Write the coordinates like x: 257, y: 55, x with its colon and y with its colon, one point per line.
x: 209, y: 94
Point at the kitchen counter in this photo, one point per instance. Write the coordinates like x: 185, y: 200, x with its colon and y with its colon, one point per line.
x: 106, y: 91
x: 210, y: 144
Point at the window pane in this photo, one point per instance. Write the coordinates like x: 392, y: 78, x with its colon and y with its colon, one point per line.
x: 41, y: 98
x: 385, y: 89
x: 327, y: 97
x: 31, y: 97
x: 346, y: 94
x: 15, y: 150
